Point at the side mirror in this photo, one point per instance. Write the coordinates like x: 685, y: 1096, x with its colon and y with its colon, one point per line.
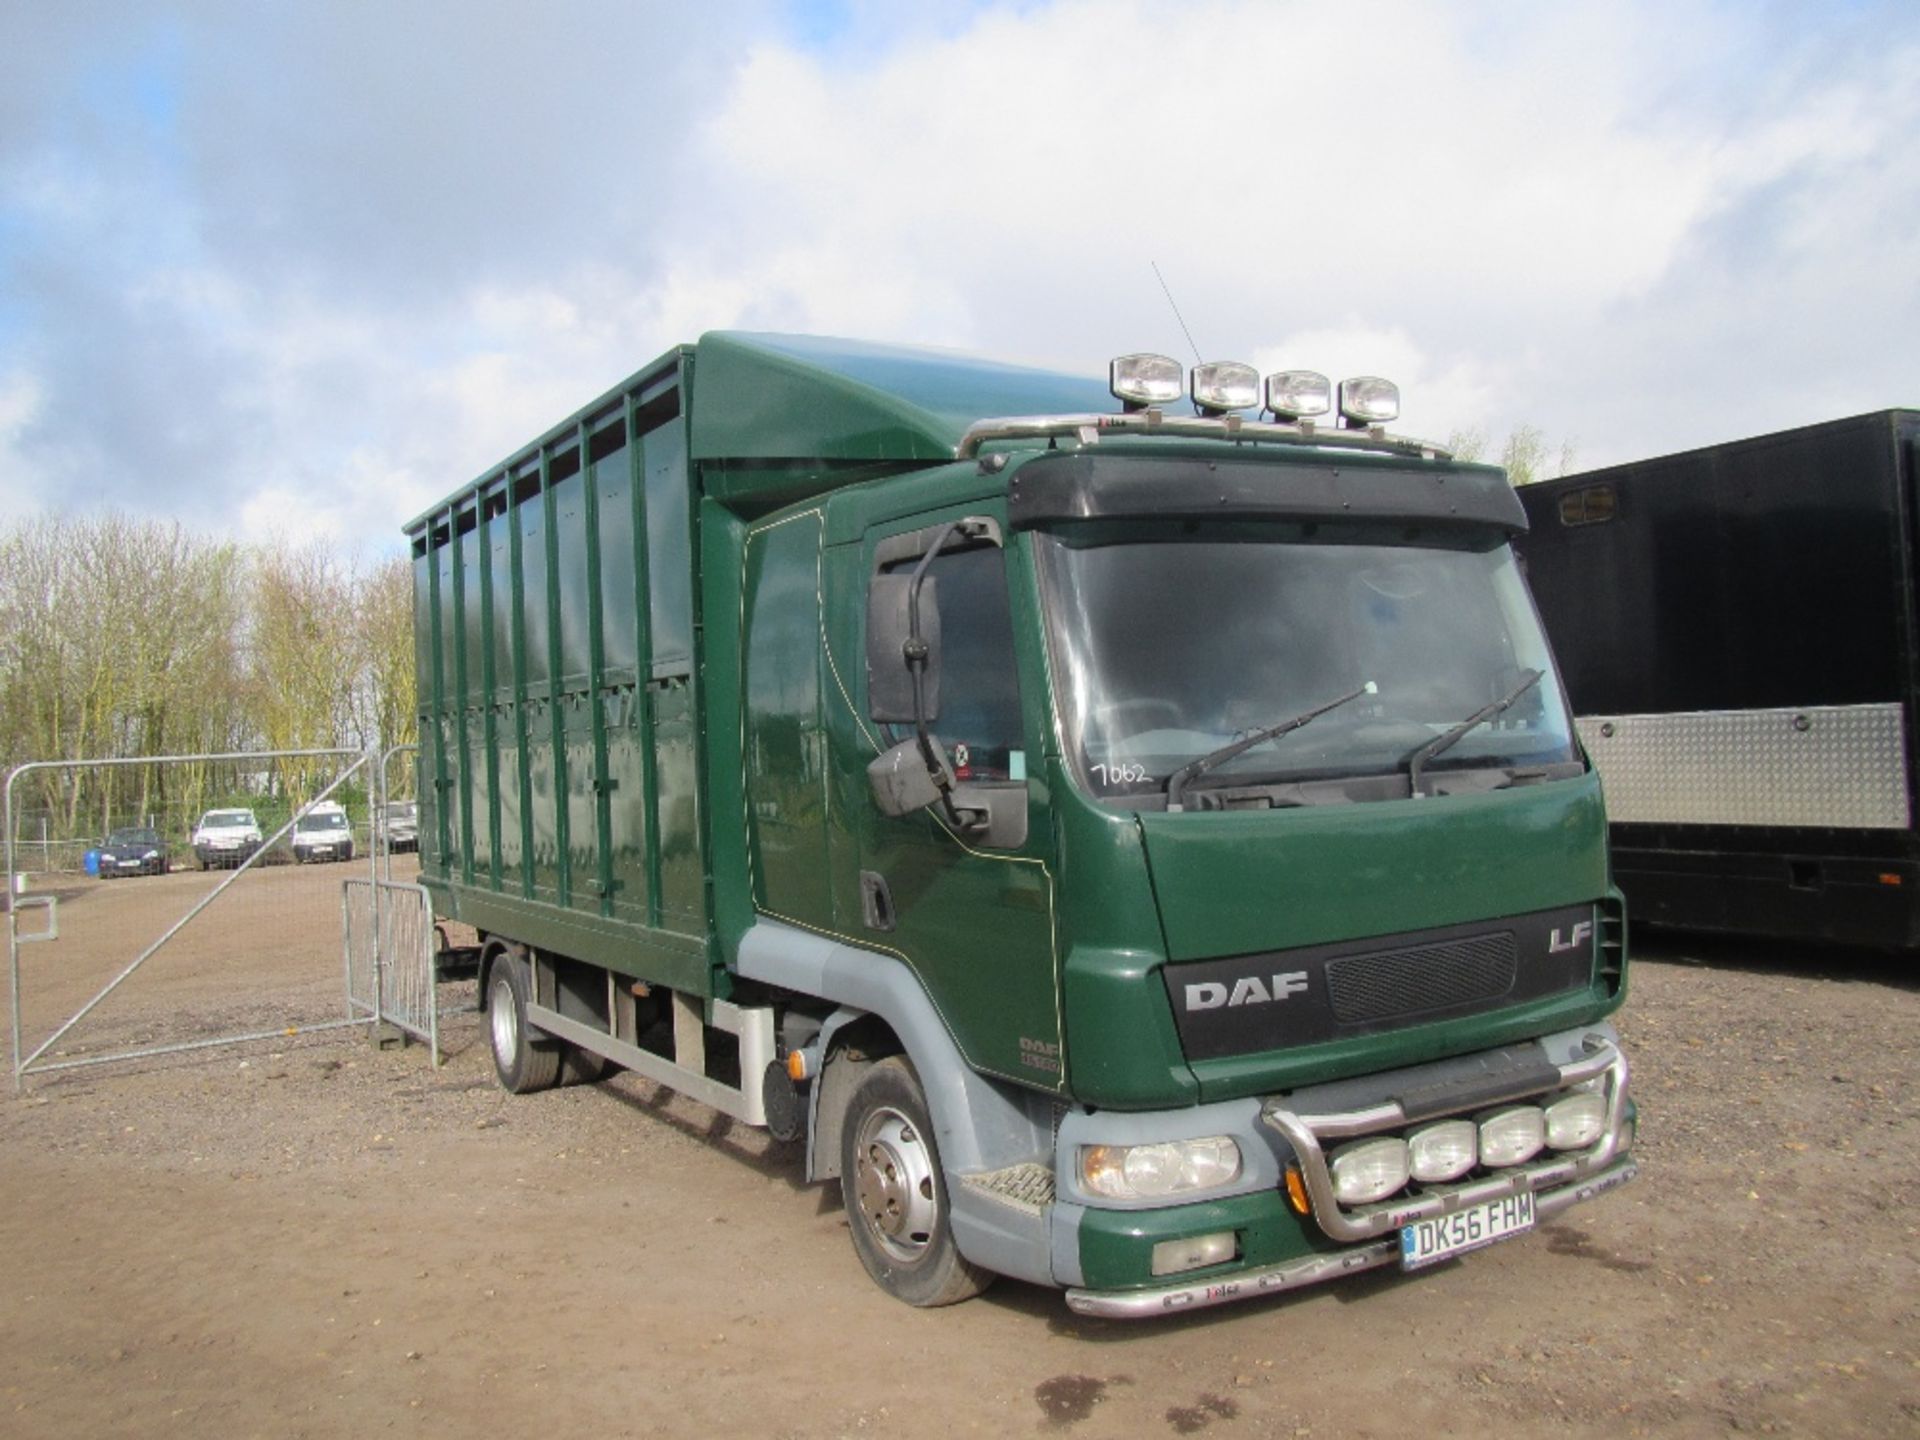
x: 889, y: 628
x: 901, y: 782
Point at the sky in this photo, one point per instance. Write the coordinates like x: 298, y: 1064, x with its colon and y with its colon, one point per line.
x: 282, y: 271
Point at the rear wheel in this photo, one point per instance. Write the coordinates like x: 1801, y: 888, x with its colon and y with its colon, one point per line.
x: 896, y: 1194
x: 579, y: 1066
x: 523, y: 1061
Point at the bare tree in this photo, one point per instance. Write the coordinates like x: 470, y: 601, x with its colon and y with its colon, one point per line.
x: 1526, y: 454
x: 299, y: 647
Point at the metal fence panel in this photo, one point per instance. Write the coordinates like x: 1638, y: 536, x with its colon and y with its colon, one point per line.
x: 71, y: 1001
x: 387, y: 931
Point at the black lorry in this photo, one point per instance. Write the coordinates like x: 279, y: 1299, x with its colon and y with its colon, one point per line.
x: 1736, y: 628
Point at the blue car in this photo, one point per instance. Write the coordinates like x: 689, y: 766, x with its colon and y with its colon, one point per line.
x: 135, y: 850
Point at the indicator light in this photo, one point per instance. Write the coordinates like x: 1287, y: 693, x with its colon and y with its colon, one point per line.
x: 1297, y: 1191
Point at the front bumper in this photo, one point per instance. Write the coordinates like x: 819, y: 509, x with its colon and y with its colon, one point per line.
x: 1294, y: 1274
x: 224, y: 852
x: 1280, y: 1250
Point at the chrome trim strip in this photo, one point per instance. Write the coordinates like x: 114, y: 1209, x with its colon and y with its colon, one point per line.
x: 1089, y: 428
x: 1305, y: 1133
x: 1294, y: 1274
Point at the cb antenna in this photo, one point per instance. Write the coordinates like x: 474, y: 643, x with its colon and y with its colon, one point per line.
x: 1176, y: 312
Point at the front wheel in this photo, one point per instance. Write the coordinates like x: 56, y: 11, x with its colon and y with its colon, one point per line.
x: 523, y: 1060
x: 896, y: 1195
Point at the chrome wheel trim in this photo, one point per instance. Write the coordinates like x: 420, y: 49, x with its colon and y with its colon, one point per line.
x: 894, y: 1185
x: 503, y: 1023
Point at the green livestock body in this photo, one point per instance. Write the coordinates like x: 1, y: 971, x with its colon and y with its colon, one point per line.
x: 644, y: 724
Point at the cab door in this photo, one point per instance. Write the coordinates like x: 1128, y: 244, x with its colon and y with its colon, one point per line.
x: 968, y: 908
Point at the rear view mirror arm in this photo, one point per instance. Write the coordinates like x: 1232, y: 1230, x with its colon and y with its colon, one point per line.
x: 917, y: 652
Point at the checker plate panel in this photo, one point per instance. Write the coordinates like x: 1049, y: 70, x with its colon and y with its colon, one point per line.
x: 1832, y: 766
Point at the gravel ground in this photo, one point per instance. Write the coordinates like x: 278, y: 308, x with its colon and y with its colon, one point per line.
x: 314, y: 1236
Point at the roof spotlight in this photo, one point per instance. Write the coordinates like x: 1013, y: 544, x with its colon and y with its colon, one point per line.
x: 1141, y: 380
x: 1299, y: 394
x: 1220, y: 386
x: 1369, y: 400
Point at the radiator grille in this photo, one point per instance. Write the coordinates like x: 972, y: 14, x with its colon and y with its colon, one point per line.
x: 1390, y: 983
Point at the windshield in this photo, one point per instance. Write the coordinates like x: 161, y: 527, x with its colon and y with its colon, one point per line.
x: 1166, y: 652
x: 403, y: 810
x: 323, y: 820
x: 133, y: 837
x: 216, y: 818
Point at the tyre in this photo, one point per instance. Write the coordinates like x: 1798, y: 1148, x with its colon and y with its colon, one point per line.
x: 524, y: 1061
x: 583, y: 1067
x: 896, y: 1195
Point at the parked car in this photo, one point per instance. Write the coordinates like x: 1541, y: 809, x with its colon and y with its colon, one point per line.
x: 399, y: 825
x: 135, y: 850
x: 225, y: 838
x: 323, y: 834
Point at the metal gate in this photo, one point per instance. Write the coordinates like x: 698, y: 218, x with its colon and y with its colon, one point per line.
x: 389, y: 940
x: 231, y: 1000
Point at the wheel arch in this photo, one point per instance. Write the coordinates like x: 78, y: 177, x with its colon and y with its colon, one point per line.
x: 979, y: 1123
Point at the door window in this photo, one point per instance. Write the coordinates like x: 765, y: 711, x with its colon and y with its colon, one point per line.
x: 979, y: 721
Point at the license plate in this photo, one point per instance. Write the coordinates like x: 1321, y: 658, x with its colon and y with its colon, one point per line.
x: 1426, y: 1241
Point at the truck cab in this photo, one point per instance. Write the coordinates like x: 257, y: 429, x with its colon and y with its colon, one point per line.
x: 1157, y: 845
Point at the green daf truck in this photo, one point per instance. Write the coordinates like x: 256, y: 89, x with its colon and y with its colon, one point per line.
x: 1129, y: 833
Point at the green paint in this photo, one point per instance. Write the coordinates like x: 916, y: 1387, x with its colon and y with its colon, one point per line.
x: 1116, y: 1246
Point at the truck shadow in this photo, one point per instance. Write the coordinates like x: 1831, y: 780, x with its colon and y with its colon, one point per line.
x: 1779, y: 959
x: 753, y: 1148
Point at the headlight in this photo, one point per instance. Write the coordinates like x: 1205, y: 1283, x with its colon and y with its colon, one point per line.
x: 1445, y: 1150
x: 1145, y: 379
x: 1369, y: 1169
x: 1369, y: 400
x: 1511, y: 1136
x: 1168, y: 1167
x: 151, y: 855
x: 1223, y: 385
x: 1575, y: 1121
x: 1299, y: 394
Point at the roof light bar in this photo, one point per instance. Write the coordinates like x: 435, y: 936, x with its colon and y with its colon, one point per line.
x: 1299, y: 394
x: 1220, y: 386
x: 1138, y: 381
x: 1369, y: 400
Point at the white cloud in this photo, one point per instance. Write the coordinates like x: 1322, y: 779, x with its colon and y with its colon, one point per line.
x: 1640, y: 226
x: 20, y: 402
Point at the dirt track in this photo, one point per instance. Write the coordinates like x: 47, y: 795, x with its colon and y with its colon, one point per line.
x: 320, y: 1238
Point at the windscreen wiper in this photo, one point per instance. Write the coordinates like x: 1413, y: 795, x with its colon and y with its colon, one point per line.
x: 1194, y: 769
x: 1435, y: 746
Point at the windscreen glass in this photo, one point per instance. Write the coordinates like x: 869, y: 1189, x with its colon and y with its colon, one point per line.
x: 1167, y: 651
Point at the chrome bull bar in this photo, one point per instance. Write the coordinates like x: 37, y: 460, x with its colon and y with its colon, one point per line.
x: 1306, y: 1134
